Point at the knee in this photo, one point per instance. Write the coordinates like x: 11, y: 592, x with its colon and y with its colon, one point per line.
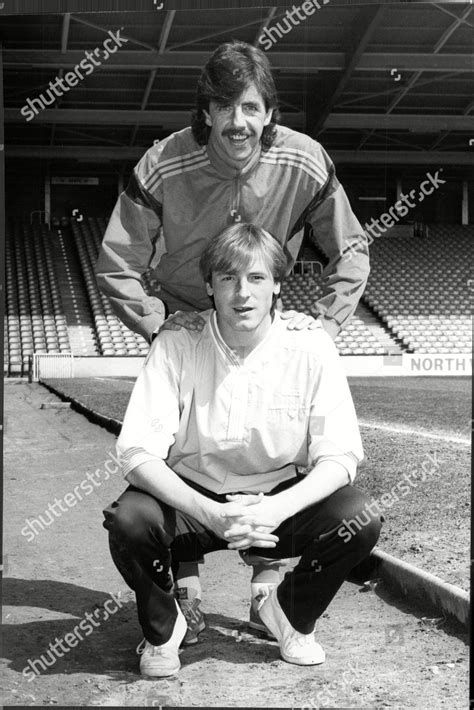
x: 367, y: 536
x: 132, y: 516
x: 122, y: 520
x: 361, y: 529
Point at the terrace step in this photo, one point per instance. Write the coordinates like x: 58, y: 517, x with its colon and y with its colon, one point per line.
x: 73, y: 294
x: 378, y: 329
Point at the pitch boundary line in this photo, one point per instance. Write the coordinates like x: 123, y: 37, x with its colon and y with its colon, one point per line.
x: 415, y: 432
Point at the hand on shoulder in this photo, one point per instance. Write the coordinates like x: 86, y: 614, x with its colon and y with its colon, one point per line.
x: 191, y: 320
x: 301, y: 321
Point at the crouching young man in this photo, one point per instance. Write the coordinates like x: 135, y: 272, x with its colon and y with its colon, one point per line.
x: 240, y: 437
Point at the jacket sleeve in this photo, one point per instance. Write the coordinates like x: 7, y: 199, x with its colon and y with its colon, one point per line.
x: 127, y: 248
x: 342, y: 239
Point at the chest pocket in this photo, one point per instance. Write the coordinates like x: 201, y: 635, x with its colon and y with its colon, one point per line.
x: 286, y: 407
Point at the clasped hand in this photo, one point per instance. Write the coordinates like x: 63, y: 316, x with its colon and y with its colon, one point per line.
x: 248, y: 521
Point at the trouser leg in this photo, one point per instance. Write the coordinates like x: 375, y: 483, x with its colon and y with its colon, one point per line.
x: 146, y: 536
x: 328, y: 553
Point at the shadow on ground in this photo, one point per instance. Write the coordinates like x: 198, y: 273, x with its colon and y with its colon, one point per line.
x: 107, y: 640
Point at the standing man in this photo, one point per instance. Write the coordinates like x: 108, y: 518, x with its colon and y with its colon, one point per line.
x: 242, y: 436
x: 234, y: 164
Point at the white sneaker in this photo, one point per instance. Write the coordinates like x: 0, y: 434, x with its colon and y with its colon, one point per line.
x: 301, y: 649
x: 162, y: 661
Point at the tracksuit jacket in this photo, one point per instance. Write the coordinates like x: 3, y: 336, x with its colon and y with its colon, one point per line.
x: 185, y: 194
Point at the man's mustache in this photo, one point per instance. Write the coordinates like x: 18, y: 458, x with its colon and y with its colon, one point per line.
x: 230, y: 131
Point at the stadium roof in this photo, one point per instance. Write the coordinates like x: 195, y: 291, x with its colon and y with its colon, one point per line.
x: 376, y: 82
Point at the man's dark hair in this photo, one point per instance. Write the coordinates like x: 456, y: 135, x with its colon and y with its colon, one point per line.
x: 227, y: 74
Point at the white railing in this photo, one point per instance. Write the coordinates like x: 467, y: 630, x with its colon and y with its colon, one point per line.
x: 51, y: 365
x: 307, y: 267
x: 47, y: 217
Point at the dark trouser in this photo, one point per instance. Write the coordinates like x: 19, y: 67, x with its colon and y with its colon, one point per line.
x: 147, y: 538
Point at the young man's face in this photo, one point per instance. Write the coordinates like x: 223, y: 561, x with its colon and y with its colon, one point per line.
x: 243, y: 302
x: 237, y: 127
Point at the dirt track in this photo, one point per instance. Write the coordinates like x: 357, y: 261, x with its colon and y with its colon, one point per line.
x: 52, y: 581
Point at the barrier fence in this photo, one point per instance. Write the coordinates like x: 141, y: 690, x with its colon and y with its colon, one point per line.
x: 51, y: 365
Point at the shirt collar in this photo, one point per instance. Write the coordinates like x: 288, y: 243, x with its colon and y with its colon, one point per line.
x: 228, y: 352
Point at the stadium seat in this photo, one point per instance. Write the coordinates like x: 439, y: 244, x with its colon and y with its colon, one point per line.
x: 429, y: 298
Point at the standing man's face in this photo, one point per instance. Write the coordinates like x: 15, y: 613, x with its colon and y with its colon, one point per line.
x: 243, y: 301
x: 237, y: 127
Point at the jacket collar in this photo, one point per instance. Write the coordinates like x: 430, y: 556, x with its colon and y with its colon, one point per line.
x: 224, y: 167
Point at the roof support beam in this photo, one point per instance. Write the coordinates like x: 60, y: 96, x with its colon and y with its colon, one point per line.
x: 291, y: 62
x: 106, y: 31
x: 440, y: 6
x: 387, y: 92
x: 65, y: 32
x: 41, y: 7
x: 394, y: 140
x: 147, y: 92
x: 401, y: 157
x: 439, y: 45
x: 64, y: 44
x: 165, y: 32
x: 359, y: 37
x: 179, y: 119
x: 444, y: 134
x: 403, y: 122
x: 224, y: 30
x: 172, y: 120
x: 146, y: 96
x: 90, y: 137
x: 96, y: 154
x: 264, y: 25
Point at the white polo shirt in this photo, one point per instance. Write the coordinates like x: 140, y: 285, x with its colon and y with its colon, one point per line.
x: 232, y: 425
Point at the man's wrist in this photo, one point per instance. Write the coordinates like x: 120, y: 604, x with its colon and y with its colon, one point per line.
x: 281, y: 504
x: 205, y: 509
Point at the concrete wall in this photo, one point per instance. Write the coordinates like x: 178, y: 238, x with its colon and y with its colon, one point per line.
x: 354, y: 365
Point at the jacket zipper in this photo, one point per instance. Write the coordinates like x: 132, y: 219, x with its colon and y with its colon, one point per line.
x: 234, y: 212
